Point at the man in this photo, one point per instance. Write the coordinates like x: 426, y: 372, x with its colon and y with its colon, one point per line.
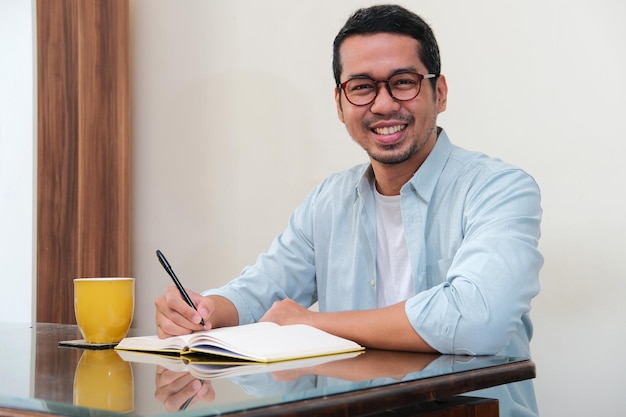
x: 427, y: 248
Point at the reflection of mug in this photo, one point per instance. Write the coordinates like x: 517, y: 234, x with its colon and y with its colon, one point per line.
x: 104, y: 308
x: 104, y: 380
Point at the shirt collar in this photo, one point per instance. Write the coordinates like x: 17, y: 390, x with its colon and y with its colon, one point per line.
x: 366, y: 179
x: 427, y: 176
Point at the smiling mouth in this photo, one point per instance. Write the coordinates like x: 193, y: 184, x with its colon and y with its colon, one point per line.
x: 389, y: 130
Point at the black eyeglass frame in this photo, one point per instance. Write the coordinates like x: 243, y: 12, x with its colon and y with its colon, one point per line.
x: 421, y: 77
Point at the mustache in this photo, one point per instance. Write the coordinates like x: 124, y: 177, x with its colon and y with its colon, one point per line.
x: 402, y: 118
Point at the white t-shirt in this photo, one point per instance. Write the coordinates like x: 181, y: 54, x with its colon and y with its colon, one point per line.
x: 394, y: 282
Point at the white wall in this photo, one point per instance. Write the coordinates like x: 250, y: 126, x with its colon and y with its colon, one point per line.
x: 234, y: 122
x: 17, y: 160
x: 17, y: 186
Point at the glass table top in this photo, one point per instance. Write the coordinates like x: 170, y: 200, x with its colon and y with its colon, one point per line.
x: 39, y: 375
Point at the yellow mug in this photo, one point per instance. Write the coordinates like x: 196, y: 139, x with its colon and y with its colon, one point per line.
x: 104, y: 380
x: 104, y: 308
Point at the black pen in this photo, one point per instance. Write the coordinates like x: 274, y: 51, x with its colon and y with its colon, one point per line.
x: 170, y: 271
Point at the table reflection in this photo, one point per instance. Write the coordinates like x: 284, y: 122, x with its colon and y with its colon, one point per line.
x: 178, y: 390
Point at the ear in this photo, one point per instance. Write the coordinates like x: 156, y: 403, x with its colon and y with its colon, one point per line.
x: 338, y: 104
x: 442, y: 93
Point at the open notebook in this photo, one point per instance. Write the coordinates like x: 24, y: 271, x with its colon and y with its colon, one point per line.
x: 258, y: 342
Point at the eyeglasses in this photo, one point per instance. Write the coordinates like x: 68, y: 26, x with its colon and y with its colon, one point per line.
x: 403, y: 86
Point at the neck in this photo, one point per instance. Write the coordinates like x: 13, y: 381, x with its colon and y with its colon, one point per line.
x: 390, y: 179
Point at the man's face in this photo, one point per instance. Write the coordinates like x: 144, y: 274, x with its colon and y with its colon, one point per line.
x: 392, y: 132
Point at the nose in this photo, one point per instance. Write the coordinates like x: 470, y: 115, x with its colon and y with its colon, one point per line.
x: 384, y: 101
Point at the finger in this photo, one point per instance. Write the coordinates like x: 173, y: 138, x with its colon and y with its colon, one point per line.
x: 166, y: 385
x: 206, y: 393
x: 174, y: 316
x: 187, y: 316
x: 166, y: 327
x: 195, y: 297
x: 174, y: 388
x: 174, y: 381
x: 187, y: 395
x: 205, y: 306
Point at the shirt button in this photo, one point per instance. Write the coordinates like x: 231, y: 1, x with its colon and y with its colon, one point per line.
x: 373, y: 282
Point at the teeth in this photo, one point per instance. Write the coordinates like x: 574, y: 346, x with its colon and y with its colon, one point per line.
x: 389, y: 130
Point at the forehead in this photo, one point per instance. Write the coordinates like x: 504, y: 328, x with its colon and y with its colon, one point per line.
x: 379, y: 54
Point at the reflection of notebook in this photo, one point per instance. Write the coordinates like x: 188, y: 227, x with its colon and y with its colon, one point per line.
x: 205, y: 367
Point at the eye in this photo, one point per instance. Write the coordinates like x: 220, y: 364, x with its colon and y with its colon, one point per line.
x: 403, y: 81
x: 360, y: 86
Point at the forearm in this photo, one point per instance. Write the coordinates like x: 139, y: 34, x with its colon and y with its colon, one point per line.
x: 384, y: 328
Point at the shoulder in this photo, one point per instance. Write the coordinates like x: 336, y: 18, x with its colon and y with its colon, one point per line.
x: 489, y: 186
x: 335, y: 195
x: 342, y: 183
x: 477, y: 168
x: 451, y: 171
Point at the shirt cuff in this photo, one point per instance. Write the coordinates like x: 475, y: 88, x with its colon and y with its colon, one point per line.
x: 434, y: 318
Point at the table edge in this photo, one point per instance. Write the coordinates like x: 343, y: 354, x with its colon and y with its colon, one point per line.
x: 402, y: 394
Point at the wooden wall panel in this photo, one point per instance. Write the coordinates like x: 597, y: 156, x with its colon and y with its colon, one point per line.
x: 83, y: 198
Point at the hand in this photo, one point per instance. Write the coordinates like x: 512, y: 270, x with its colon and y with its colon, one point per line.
x: 288, y: 311
x: 177, y: 390
x: 174, y: 317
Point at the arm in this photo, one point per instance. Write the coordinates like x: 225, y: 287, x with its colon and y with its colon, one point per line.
x: 371, y: 364
x: 383, y: 328
x: 287, y: 270
x: 488, y: 279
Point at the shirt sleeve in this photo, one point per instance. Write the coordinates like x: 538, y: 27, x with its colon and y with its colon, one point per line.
x: 487, y: 289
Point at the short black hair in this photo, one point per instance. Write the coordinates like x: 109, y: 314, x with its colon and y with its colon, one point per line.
x: 390, y: 19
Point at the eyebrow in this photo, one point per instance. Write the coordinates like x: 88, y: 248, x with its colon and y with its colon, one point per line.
x: 394, y: 72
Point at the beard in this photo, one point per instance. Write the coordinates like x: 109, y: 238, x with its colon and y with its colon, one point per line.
x: 398, y: 153
x: 392, y: 156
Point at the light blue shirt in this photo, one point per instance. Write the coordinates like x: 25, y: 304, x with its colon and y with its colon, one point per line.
x: 472, y: 225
